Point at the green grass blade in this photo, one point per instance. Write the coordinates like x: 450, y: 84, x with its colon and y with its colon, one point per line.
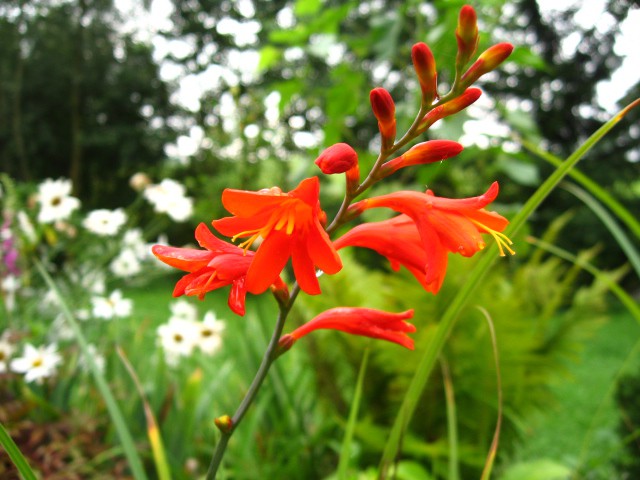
x: 16, y: 455
x: 491, y: 455
x: 621, y: 237
x: 437, y: 341
x: 627, y: 300
x: 153, y: 431
x: 452, y: 421
x: 591, y: 186
x: 345, y: 450
x: 119, y: 422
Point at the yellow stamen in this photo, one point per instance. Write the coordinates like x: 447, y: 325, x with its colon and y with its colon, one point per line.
x: 501, y: 239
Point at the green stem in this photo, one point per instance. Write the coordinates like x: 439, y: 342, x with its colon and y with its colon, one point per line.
x: 267, y: 360
x: 16, y: 455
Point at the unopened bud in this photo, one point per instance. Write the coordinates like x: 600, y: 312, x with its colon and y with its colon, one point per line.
x: 384, y: 110
x: 469, y: 96
x: 284, y: 344
x: 422, y: 153
x: 280, y: 291
x: 489, y: 60
x: 337, y: 158
x: 425, y: 66
x: 467, y: 35
x: 224, y: 423
x: 139, y: 181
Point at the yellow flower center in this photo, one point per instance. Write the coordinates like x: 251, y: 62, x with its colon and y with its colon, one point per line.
x: 282, y: 219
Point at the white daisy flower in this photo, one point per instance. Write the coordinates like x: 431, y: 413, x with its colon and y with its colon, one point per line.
x: 178, y: 338
x: 6, y: 352
x: 56, y: 202
x: 169, y: 197
x: 183, y: 310
x: 105, y: 222
x: 113, y: 306
x: 126, y: 264
x: 210, y: 330
x: 37, y: 363
x: 133, y: 240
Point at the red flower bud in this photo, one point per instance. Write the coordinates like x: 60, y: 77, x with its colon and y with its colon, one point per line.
x: 425, y: 66
x: 385, y: 111
x: 359, y: 321
x: 489, y: 60
x: 462, y: 101
x: 337, y: 158
x: 467, y: 35
x: 422, y: 153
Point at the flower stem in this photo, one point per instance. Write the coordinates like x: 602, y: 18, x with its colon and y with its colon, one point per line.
x: 265, y: 365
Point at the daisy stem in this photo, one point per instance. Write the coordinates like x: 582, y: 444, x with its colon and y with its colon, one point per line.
x: 267, y: 360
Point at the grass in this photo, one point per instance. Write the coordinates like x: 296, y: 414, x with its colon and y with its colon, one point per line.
x: 580, y: 431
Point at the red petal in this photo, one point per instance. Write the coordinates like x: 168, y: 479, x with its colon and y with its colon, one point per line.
x: 187, y: 259
x: 268, y: 262
x: 304, y: 269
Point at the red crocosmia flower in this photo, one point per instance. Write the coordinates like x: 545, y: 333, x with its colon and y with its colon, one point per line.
x: 221, y: 264
x: 399, y: 241
x: 366, y: 322
x: 445, y: 225
x: 290, y: 224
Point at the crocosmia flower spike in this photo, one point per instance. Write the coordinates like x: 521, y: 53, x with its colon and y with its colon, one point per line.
x: 366, y: 322
x: 290, y: 226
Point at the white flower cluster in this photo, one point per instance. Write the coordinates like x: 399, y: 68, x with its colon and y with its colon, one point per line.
x: 169, y: 197
x: 184, y: 333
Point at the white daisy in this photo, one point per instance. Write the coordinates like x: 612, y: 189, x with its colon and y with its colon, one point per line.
x: 169, y: 197
x: 210, y: 330
x: 113, y: 306
x: 105, y: 222
x: 126, y: 264
x: 98, y: 359
x: 183, y: 310
x: 56, y: 202
x: 37, y: 363
x: 133, y: 240
x: 178, y: 338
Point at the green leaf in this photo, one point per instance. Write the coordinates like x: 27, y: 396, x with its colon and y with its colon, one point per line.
x: 269, y: 56
x: 544, y: 469
x: 525, y: 57
x: 16, y: 455
x: 306, y: 8
x: 519, y: 171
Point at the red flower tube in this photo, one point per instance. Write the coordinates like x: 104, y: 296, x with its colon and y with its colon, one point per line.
x: 366, y: 322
